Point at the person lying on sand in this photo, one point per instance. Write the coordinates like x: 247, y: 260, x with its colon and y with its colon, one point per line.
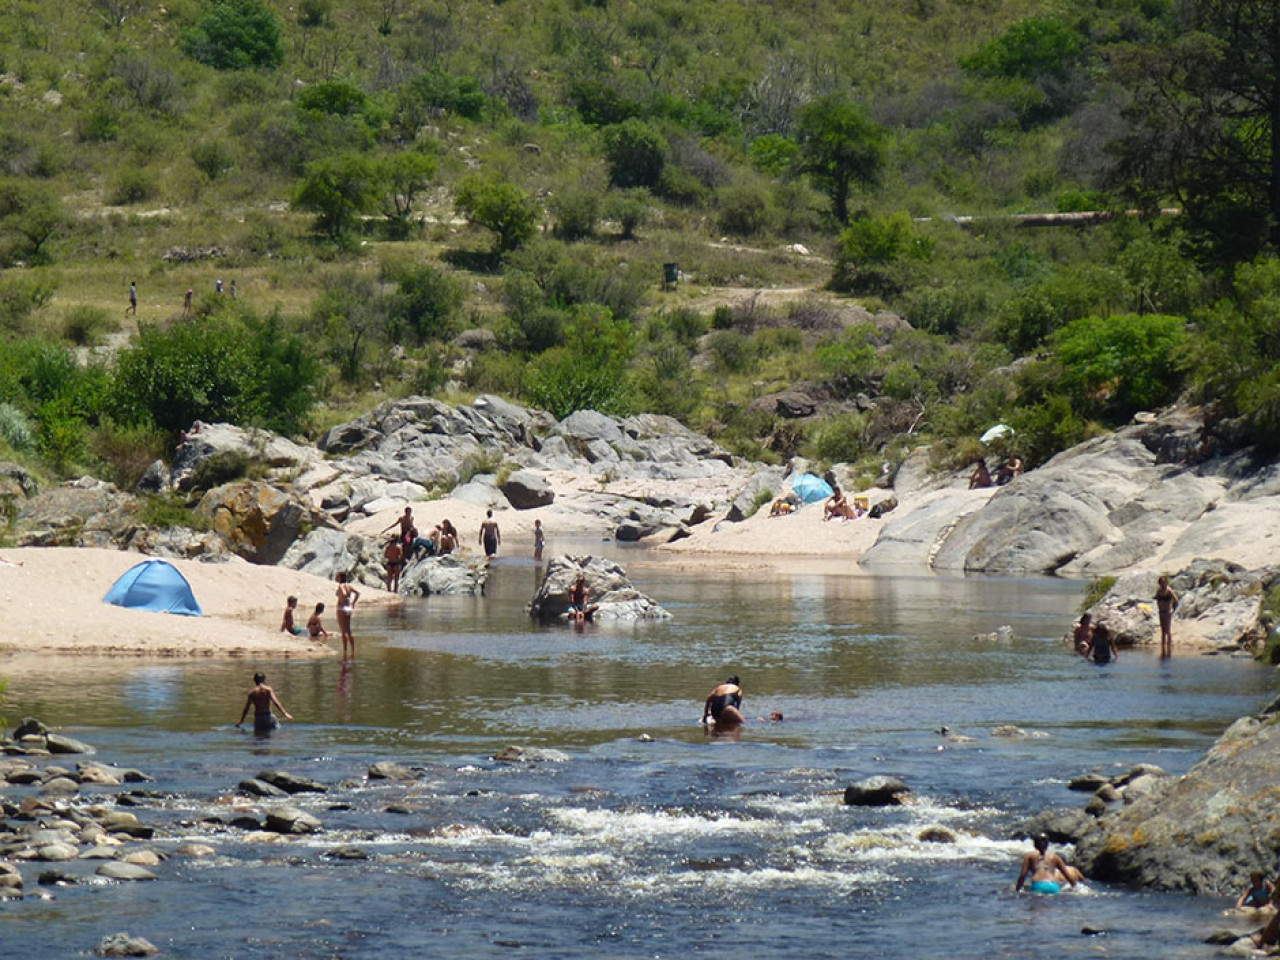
x: 1047, y: 870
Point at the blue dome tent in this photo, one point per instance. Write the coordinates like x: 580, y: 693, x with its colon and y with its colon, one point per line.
x: 810, y: 488
x: 155, y: 585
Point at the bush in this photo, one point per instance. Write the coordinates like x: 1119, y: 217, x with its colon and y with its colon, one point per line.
x: 212, y: 158
x: 499, y: 206
x: 337, y: 189
x: 127, y: 452
x: 745, y: 210
x: 15, y: 429
x: 235, y: 34
x: 425, y: 304
x: 870, y: 246
x: 576, y: 211
x: 589, y: 372
x: 131, y: 185
x: 731, y: 350
x: 20, y: 297
x: 841, y: 439
x: 170, y: 511
x: 630, y: 208
x: 85, y: 325
x: 636, y: 154
x: 1096, y: 590
x: 1116, y: 366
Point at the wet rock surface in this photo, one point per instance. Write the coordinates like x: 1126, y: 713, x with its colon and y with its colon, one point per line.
x: 610, y: 594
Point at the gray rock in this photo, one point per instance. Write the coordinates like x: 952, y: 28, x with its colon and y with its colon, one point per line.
x: 259, y: 521
x: 259, y: 788
x: 57, y: 743
x: 387, y: 770
x: 154, y: 480
x: 877, y: 791
x: 323, y: 552
x: 525, y: 490
x: 611, y: 595
x: 517, y: 754
x: 451, y: 574
x: 1060, y: 825
x: 56, y: 852
x: 346, y: 852
x: 1089, y: 782
x: 60, y: 785
x: 205, y: 441
x: 16, y: 482
x: 124, y: 945
x: 936, y: 834
x: 116, y: 870
x: 30, y: 727
x: 291, y: 782
x: 290, y: 820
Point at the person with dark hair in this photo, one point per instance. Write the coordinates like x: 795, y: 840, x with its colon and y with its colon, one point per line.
x: 981, y: 476
x: 133, y: 299
x: 393, y: 556
x: 1047, y: 870
x: 578, y: 599
x: 1102, y: 646
x: 724, y: 704
x: 490, y: 536
x: 262, y: 698
x: 1082, y: 635
x: 1166, y: 603
x: 314, y: 627
x: 287, y: 625
x: 347, y: 597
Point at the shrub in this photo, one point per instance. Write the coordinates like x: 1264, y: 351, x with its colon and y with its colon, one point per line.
x: 576, y: 211
x: 127, y: 451
x: 212, y: 158
x: 62, y: 437
x: 20, y: 297
x: 85, y: 325
x: 1121, y: 364
x: 223, y: 467
x: 500, y: 207
x: 630, y: 208
x: 869, y: 246
x: 15, y: 429
x: 337, y: 189
x: 636, y: 154
x: 731, y: 350
x: 745, y: 210
x: 589, y: 372
x: 131, y: 185
x: 425, y: 303
x: 1096, y: 590
x: 234, y: 34
x: 841, y: 439
x: 170, y: 511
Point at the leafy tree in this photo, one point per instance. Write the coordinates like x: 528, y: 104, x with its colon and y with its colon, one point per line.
x: 500, y: 206
x: 630, y: 208
x: 438, y: 91
x: 347, y: 319
x: 590, y: 371
x: 30, y: 216
x: 1029, y: 49
x: 235, y: 34
x: 636, y: 154
x: 1121, y: 364
x: 1205, y: 116
x: 337, y: 190
x: 840, y: 146
x: 398, y: 180
x: 869, y: 246
x: 425, y: 304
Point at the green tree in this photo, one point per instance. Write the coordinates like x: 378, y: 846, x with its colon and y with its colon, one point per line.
x: 425, y: 304
x: 235, y: 34
x: 590, y: 371
x: 1205, y: 121
x: 499, y: 206
x: 30, y: 216
x: 840, y: 146
x: 398, y: 180
x: 636, y: 154
x: 1118, y: 365
x: 337, y: 190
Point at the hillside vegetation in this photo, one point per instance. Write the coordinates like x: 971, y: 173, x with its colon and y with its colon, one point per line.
x: 460, y: 196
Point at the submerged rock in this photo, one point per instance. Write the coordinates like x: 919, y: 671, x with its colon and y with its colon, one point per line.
x: 516, y: 754
x: 387, y: 770
x: 291, y: 782
x: 124, y: 945
x: 117, y: 870
x: 291, y: 820
x: 451, y: 574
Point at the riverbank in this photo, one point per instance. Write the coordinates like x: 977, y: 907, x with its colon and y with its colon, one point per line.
x: 52, y: 600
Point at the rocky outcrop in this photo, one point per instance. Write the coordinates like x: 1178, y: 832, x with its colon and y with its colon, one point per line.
x: 610, y: 594
x: 1202, y: 832
x: 525, y: 490
x: 205, y: 444
x: 877, y: 791
x: 258, y: 521
x: 324, y: 552
x: 450, y: 574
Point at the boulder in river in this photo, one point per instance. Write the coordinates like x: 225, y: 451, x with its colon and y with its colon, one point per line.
x: 116, y: 870
x: 124, y: 945
x: 290, y: 820
x: 291, y: 782
x: 877, y: 791
x: 610, y: 594
x: 449, y: 575
x: 388, y: 770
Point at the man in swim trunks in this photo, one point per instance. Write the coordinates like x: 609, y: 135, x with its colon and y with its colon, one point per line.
x: 1166, y: 603
x: 578, y: 600
x: 490, y: 536
x: 724, y: 705
x: 262, y: 698
x: 1047, y: 870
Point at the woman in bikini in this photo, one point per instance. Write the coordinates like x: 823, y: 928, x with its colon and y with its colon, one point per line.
x: 724, y: 705
x: 1166, y: 603
x: 347, y: 597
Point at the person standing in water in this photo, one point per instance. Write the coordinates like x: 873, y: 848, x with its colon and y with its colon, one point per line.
x: 1046, y: 870
x: 539, y: 539
x: 347, y: 597
x: 1166, y: 603
x: 724, y: 705
x: 490, y: 535
x: 262, y: 698
x: 1102, y: 646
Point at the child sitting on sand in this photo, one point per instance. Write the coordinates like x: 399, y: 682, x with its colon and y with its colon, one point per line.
x: 287, y: 625
x: 314, y: 626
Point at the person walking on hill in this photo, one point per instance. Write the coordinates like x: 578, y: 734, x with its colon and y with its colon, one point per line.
x: 133, y: 299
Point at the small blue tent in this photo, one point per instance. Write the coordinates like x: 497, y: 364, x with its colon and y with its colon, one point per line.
x: 810, y: 488
x: 155, y: 585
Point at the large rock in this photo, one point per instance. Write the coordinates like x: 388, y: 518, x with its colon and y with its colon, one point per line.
x: 290, y: 820
x: 323, y: 552
x: 291, y: 782
x: 117, y: 870
x: 82, y: 513
x: 258, y: 521
x: 877, y: 791
x: 611, y: 595
x: 204, y: 442
x: 1202, y: 832
x: 452, y: 573
x: 745, y: 503
x: 525, y: 490
x: 123, y: 945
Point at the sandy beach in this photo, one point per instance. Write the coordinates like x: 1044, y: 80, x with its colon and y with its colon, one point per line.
x: 53, y: 605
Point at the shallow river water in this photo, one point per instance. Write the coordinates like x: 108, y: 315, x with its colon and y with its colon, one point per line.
x: 682, y: 845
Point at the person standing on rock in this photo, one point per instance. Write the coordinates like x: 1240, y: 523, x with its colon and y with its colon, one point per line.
x: 578, y: 600
x: 405, y: 523
x: 262, y: 698
x: 347, y: 597
x: 1166, y: 603
x: 1046, y: 870
x: 490, y: 535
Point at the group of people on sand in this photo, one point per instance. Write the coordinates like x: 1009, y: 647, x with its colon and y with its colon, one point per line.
x: 981, y: 476
x: 1094, y: 641
x: 347, y: 596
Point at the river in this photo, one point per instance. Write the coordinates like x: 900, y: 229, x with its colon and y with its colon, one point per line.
x: 648, y: 838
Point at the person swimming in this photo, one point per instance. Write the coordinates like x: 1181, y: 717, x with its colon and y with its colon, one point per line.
x: 1047, y: 870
